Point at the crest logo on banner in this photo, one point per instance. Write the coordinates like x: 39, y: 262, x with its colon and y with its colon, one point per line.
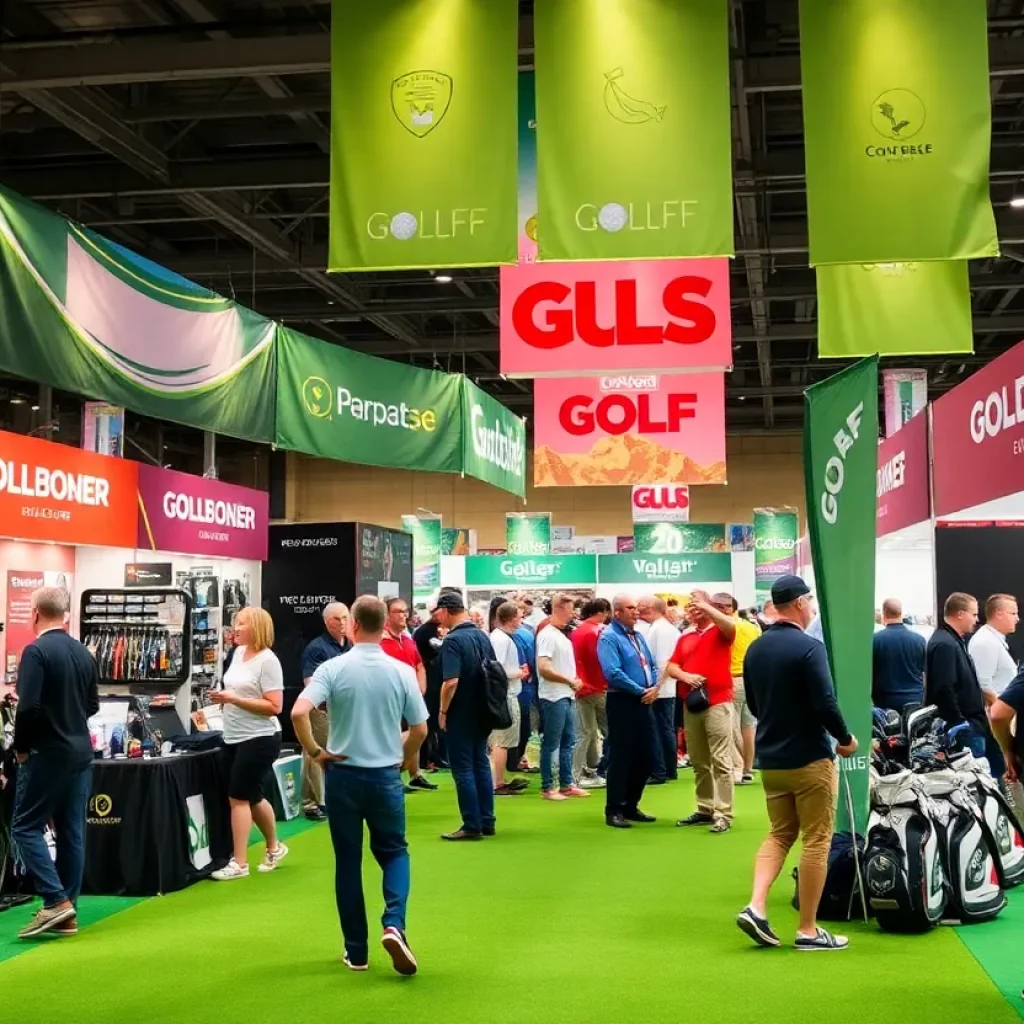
x: 420, y: 99
x: 898, y: 114
x: 318, y: 397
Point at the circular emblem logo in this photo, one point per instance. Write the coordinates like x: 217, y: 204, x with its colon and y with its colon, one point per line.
x: 898, y: 114
x: 102, y: 805
x: 317, y: 397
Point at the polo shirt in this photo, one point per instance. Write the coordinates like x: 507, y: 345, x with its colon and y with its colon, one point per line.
x: 898, y: 656
x: 662, y: 638
x: 1014, y: 696
x: 322, y: 649
x: 746, y: 634
x: 706, y: 653
x: 584, y: 645
x: 463, y: 653
x: 992, y: 659
x: 401, y: 648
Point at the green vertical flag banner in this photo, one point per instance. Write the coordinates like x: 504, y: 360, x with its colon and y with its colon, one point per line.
x: 897, y: 128
x: 840, y: 460
x: 426, y: 555
x: 423, y: 133
x: 776, y: 531
x: 528, y: 534
x: 493, y: 441
x: 894, y: 309
x: 633, y: 129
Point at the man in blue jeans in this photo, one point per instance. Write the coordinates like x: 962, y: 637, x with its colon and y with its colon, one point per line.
x: 367, y: 694
x: 463, y: 720
x: 57, y: 693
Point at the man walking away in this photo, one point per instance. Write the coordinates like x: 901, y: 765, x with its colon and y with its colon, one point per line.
x: 744, y: 723
x: 662, y: 638
x: 368, y: 694
x: 1007, y: 716
x: 628, y: 665
x: 463, y: 653
x: 58, y: 691
x: 506, y: 622
x: 898, y: 656
x: 591, y: 713
x: 790, y: 691
x: 989, y: 650
x: 332, y: 643
x: 559, y: 682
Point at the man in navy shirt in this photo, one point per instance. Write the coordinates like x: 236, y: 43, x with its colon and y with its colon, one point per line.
x: 898, y: 661
x: 1009, y: 705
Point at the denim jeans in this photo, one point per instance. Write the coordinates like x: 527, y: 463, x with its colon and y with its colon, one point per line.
x: 559, y: 734
x: 471, y: 770
x: 376, y: 796
x: 664, y: 752
x: 52, y: 789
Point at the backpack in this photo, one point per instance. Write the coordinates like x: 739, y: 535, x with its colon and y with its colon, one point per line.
x: 495, y: 712
x: 837, y: 898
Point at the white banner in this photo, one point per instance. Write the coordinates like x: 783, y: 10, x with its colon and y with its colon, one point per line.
x: 661, y: 503
x: 198, y: 832
x: 905, y: 393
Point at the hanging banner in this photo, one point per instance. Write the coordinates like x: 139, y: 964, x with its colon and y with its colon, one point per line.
x: 863, y: 309
x: 493, y: 441
x: 457, y: 541
x: 527, y: 534
x: 87, y: 316
x: 344, y: 405
x: 527, y: 168
x: 426, y: 555
x: 694, y: 568
x: 840, y: 465
x: 674, y: 538
x: 977, y: 438
x: 901, y: 482
x: 629, y: 429
x: 775, y: 536
x: 564, y: 319
x: 423, y: 133
x: 546, y: 571
x: 103, y: 428
x: 904, y: 394
x: 897, y: 129
x: 633, y: 129
x: 741, y: 536
x: 661, y: 503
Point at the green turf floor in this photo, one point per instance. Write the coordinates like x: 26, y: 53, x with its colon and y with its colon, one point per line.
x: 557, y: 919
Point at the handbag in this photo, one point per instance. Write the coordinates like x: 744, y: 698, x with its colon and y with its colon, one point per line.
x: 697, y: 700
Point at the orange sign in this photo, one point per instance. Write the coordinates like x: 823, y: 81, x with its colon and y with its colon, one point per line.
x: 54, y: 492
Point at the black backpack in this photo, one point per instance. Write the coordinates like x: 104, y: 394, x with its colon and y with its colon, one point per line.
x: 495, y: 712
x: 837, y: 897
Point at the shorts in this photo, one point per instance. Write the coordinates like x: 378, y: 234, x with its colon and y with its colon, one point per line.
x: 744, y: 717
x: 250, y: 763
x: 507, y: 738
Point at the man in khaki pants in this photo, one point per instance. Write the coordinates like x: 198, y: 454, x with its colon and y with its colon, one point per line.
x: 702, y: 664
x: 790, y: 691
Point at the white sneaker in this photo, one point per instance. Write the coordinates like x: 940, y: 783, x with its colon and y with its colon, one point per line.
x: 594, y: 782
x: 273, y: 858
x: 231, y: 871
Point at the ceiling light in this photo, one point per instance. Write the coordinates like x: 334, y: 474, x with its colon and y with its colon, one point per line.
x: 443, y: 278
x: 17, y: 401
x: 742, y: 398
x: 35, y: 408
x: 1017, y: 201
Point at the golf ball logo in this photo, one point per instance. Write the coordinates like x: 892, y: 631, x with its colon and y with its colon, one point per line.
x: 612, y: 217
x: 646, y: 215
x: 404, y: 226
x: 428, y: 225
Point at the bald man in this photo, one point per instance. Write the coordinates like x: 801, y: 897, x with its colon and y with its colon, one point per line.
x: 898, y: 657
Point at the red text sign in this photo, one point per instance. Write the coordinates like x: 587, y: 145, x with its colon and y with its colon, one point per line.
x: 902, y: 478
x: 658, y: 503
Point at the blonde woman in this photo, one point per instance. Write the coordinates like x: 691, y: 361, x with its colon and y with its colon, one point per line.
x: 252, y: 697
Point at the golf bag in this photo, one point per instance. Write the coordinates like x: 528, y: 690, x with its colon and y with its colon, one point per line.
x: 904, y: 875
x: 837, y: 898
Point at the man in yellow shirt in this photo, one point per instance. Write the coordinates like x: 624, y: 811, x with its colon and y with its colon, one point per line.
x: 744, y: 723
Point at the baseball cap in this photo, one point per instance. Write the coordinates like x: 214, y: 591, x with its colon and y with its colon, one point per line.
x: 451, y: 603
x: 787, y: 589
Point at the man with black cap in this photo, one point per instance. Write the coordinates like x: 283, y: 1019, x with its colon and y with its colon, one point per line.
x: 463, y: 653
x: 790, y: 692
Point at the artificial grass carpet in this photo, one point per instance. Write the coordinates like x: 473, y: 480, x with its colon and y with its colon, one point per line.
x: 557, y: 919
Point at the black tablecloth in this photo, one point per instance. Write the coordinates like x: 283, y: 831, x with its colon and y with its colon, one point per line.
x: 144, y: 828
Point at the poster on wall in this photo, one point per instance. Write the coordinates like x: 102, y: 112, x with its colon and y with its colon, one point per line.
x: 426, y: 555
x: 103, y: 428
x: 385, y: 563
x: 457, y: 541
x: 148, y: 574
x: 775, y: 537
x: 674, y: 538
x: 21, y: 584
x: 905, y: 393
x: 528, y: 534
x: 741, y: 536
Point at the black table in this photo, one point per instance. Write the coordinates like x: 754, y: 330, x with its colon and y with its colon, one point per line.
x: 145, y: 828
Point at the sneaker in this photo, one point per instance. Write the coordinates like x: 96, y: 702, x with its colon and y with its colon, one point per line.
x: 574, y: 791
x: 720, y: 826
x: 231, y: 871
x: 518, y: 785
x: 553, y: 794
x: 67, y: 929
x: 747, y: 779
x: 757, y: 928
x: 593, y: 782
x: 47, y: 919
x: 354, y: 966
x: 401, y: 955
x: 697, y: 818
x: 683, y: 762
x: 272, y: 858
x: 315, y: 813
x: 408, y: 789
x: 507, y: 790
x: 421, y: 782
x: 822, y: 940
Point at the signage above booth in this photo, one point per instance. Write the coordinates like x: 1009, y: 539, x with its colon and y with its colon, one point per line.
x: 686, y: 569
x: 902, y: 479
x: 535, y: 571
x: 661, y: 503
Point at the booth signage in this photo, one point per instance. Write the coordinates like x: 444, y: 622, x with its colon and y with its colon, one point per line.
x: 978, y: 436
x: 671, y: 538
x: 506, y: 572
x: 690, y: 568
x: 905, y: 393
x: 902, y: 478
x: 655, y: 316
x: 775, y: 536
x: 493, y: 441
x: 54, y: 492
x: 661, y: 503
x: 629, y: 429
x: 426, y: 554
x: 528, y: 534
x: 181, y: 512
x: 148, y: 574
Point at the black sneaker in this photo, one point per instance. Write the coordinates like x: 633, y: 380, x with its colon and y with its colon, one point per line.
x: 697, y: 818
x: 421, y: 782
x: 823, y: 940
x: 315, y: 814
x: 757, y: 928
x: 398, y: 948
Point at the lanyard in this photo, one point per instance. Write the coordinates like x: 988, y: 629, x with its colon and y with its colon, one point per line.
x: 639, y: 653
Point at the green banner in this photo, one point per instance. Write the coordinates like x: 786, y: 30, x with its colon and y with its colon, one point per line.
x: 635, y: 568
x: 423, y: 133
x: 633, y: 129
x: 536, y: 571
x: 87, y: 316
x: 776, y: 532
x: 840, y: 463
x: 493, y: 441
x: 897, y: 129
x: 344, y: 405
x: 679, y: 538
x: 455, y: 541
x: 528, y: 534
x: 426, y: 555
x: 894, y: 309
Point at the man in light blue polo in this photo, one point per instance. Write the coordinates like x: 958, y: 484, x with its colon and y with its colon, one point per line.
x: 368, y: 694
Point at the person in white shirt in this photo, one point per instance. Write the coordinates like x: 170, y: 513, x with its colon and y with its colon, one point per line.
x: 506, y: 621
x: 662, y: 638
x: 988, y: 647
x: 559, y: 681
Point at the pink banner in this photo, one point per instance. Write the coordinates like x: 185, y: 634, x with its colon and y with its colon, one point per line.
x: 902, y: 479
x: 630, y: 429
x: 659, y: 316
x: 978, y: 436
x: 196, y: 516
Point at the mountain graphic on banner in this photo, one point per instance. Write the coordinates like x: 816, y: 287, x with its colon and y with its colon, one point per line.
x: 621, y: 460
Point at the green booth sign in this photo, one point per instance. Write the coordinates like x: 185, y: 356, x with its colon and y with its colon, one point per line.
x: 687, y: 569
x: 534, y: 571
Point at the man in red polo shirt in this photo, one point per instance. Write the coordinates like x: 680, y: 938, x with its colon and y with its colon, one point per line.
x: 397, y: 643
x: 591, y: 716
x: 703, y: 657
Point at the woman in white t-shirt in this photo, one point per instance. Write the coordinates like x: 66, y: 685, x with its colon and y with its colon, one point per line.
x: 252, y: 697
x: 506, y: 621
